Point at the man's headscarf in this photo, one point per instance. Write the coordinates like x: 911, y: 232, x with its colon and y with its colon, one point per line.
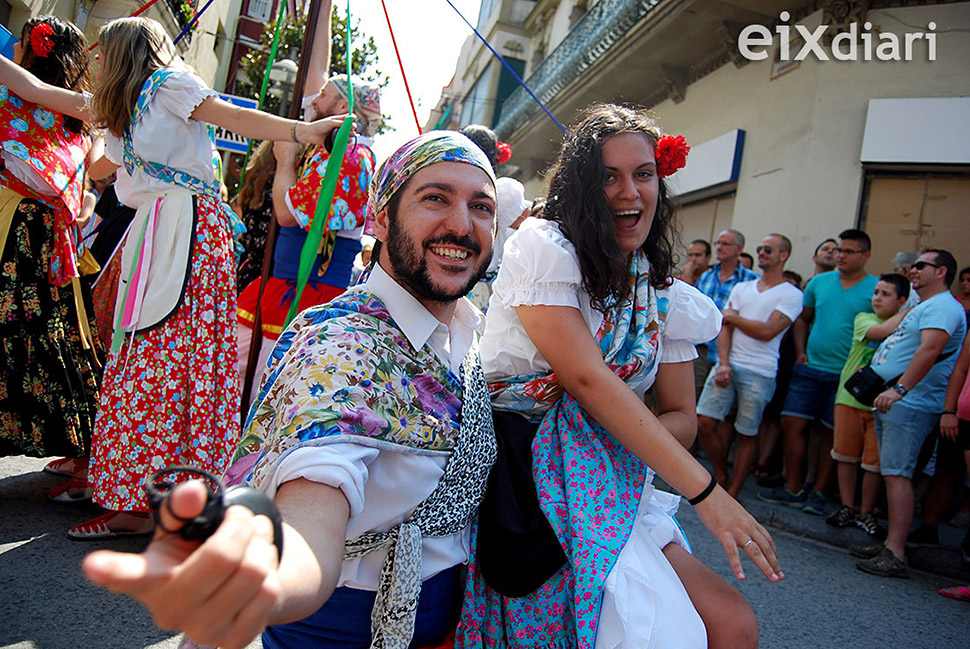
x: 367, y: 102
x: 422, y: 151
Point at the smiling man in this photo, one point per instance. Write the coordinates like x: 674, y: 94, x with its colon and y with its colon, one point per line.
x: 372, y: 433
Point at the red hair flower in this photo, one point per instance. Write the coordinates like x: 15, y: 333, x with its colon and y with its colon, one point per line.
x: 671, y: 154
x: 504, y: 152
x: 40, y: 39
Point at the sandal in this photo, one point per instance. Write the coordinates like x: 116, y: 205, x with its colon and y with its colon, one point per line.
x: 961, y: 593
x: 760, y: 471
x: 97, y: 529
x: 63, y: 494
x: 60, y: 467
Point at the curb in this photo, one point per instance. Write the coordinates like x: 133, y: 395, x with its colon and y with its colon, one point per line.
x: 943, y: 560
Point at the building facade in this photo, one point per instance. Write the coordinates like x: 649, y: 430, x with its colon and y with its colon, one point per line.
x: 805, y: 118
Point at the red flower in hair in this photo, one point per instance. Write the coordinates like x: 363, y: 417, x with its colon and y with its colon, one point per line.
x: 504, y: 152
x: 671, y: 154
x: 40, y: 39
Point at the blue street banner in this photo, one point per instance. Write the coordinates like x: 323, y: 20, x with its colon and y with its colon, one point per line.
x: 227, y: 140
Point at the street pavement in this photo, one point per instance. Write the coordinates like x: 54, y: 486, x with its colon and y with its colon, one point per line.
x: 46, y: 603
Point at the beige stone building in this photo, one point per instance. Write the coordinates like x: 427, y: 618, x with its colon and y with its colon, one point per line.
x: 792, y: 129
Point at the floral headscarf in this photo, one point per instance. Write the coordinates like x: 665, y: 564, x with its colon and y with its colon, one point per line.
x: 422, y: 151
x: 367, y: 102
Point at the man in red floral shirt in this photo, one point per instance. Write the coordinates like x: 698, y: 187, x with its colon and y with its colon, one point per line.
x: 296, y: 189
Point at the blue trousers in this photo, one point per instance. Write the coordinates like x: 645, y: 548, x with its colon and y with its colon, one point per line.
x: 344, y: 621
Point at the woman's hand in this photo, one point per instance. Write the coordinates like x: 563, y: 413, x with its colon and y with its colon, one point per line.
x: 736, y: 529
x: 316, y: 132
x: 220, y: 592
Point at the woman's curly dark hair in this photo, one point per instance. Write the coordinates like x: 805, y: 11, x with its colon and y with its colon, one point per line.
x: 65, y: 65
x: 577, y: 201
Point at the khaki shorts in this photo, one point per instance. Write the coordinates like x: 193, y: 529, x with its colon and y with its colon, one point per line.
x: 855, y: 437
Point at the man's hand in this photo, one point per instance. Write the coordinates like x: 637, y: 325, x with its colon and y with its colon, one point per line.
x: 886, y: 400
x: 723, y: 375
x: 950, y: 426
x: 728, y: 316
x: 287, y: 153
x: 801, y: 359
x: 220, y: 592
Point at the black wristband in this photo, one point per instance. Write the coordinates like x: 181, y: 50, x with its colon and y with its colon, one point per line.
x: 949, y: 412
x: 696, y: 500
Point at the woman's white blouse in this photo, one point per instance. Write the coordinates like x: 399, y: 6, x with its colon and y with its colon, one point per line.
x: 540, y: 267
x: 166, y: 134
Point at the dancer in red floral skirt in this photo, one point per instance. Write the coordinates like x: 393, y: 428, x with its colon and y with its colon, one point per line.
x: 170, y: 395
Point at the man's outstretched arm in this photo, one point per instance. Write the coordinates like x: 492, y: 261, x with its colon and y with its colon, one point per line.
x: 226, y: 590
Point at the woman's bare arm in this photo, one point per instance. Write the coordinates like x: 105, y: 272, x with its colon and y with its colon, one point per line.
x: 563, y: 338
x: 25, y: 85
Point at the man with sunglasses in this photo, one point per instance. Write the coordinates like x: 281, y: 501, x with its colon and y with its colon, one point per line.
x: 831, y: 303
x: 917, y: 359
x: 756, y: 316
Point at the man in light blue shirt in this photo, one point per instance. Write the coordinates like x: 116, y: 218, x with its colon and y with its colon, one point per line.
x: 917, y: 359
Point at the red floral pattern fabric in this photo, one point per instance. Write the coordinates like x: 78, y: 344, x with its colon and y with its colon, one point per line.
x: 38, y: 137
x: 349, y: 197
x: 167, y: 397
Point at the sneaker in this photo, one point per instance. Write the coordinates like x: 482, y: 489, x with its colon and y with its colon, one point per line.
x: 772, y: 481
x: 868, y: 524
x: 923, y: 536
x: 884, y: 564
x: 866, y: 550
x: 844, y: 517
x: 782, y: 496
x: 815, y: 504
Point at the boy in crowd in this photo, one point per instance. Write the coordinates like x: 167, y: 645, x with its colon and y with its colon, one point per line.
x: 855, y: 426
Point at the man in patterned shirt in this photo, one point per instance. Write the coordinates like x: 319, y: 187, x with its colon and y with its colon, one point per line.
x: 296, y: 188
x: 717, y: 283
x: 373, y: 435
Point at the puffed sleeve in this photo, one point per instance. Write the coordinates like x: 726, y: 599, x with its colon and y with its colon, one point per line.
x: 539, y: 267
x: 113, y: 148
x: 692, y: 318
x: 181, y: 93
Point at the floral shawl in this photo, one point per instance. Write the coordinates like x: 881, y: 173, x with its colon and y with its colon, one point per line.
x: 588, y: 484
x: 39, y: 138
x: 344, y: 371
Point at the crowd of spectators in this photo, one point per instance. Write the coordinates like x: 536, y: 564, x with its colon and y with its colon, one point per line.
x: 782, y: 360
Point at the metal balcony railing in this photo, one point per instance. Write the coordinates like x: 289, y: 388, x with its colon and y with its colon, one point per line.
x: 591, y: 37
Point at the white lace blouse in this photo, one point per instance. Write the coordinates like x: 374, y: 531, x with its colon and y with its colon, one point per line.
x: 540, y: 267
x: 166, y: 134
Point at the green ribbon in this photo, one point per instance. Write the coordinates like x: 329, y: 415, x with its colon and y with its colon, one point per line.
x: 311, y: 246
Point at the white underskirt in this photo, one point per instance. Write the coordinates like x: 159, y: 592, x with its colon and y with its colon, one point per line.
x: 645, y: 606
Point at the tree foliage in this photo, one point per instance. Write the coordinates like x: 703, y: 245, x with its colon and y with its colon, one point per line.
x: 363, y: 56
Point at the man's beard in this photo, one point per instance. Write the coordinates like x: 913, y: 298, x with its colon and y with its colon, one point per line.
x: 411, y: 268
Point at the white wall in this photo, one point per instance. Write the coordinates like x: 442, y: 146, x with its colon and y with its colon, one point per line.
x: 801, y: 171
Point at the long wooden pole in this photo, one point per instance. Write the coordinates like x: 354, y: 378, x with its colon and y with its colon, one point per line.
x: 295, y: 106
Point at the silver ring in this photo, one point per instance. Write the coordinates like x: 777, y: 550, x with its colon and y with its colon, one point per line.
x: 749, y: 542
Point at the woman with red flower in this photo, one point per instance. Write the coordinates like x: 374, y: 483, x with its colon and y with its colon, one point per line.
x: 574, y: 544
x: 49, y: 372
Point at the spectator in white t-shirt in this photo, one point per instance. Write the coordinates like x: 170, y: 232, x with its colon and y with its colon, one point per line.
x: 755, y: 319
